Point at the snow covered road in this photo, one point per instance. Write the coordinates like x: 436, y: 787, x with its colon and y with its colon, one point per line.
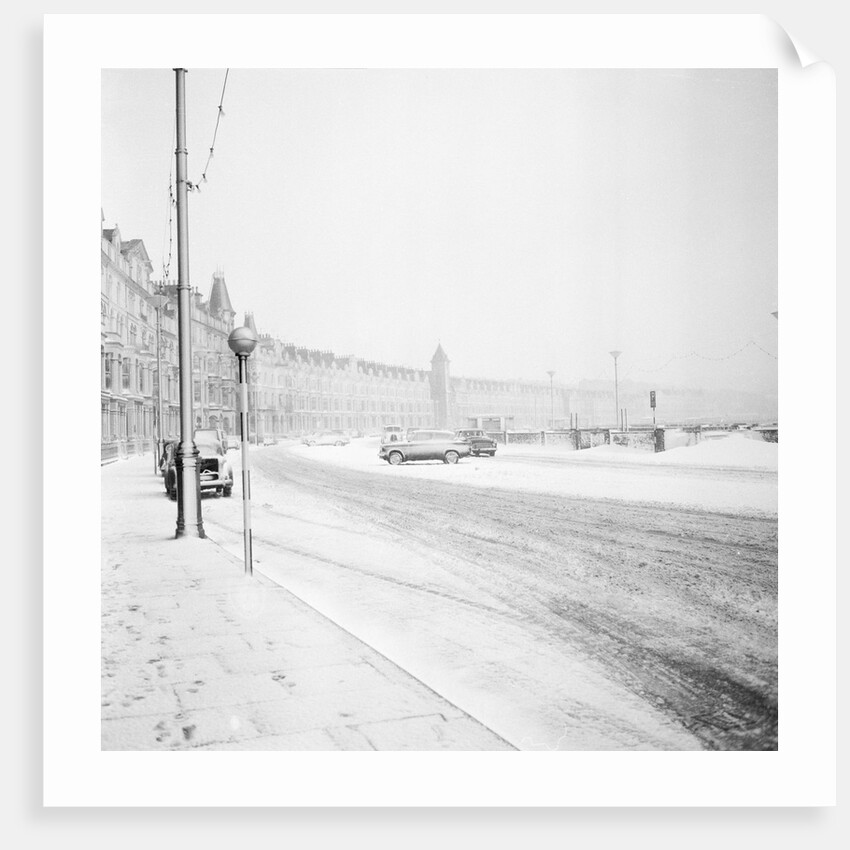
x: 736, y: 474
x: 558, y: 616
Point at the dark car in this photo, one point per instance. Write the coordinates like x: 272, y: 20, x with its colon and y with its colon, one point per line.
x: 479, y: 442
x: 168, y: 449
x: 215, y: 472
x: 211, y: 435
x: 424, y: 445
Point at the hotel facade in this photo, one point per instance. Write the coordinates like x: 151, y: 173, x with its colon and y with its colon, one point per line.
x: 295, y: 390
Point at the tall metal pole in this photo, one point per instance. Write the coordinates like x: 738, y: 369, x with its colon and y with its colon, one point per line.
x: 615, y: 355
x: 158, y: 301
x: 242, y: 342
x: 189, y: 521
x: 158, y: 388
x: 246, y: 470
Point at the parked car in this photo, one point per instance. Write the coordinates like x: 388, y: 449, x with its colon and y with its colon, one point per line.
x: 232, y: 442
x: 210, y: 434
x: 392, y: 434
x: 215, y: 472
x: 169, y: 468
x: 479, y: 442
x: 168, y: 448
x: 424, y: 445
x: 327, y: 438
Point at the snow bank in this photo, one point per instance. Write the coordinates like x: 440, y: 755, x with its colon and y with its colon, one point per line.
x: 735, y: 450
x: 738, y: 451
x: 733, y: 474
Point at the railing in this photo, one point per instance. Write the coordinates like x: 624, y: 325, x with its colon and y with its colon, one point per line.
x: 584, y: 438
x: 122, y: 449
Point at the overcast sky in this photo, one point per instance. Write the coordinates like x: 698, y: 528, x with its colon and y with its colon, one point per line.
x: 526, y: 220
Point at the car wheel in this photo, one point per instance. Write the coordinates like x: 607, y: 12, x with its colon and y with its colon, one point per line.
x: 395, y: 458
x: 493, y: 454
x: 228, y: 490
x: 452, y: 457
x: 339, y: 443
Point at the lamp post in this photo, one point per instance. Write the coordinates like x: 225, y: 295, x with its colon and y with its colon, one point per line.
x: 551, y: 375
x: 189, y: 521
x: 615, y: 355
x: 242, y: 342
x: 158, y: 302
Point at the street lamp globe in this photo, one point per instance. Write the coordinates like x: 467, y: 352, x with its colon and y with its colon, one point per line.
x: 242, y: 341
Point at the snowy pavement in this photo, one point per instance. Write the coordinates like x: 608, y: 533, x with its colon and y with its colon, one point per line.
x: 196, y: 656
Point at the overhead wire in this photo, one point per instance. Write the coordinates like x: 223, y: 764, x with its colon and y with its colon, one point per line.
x: 166, y: 264
x: 698, y: 355
x: 172, y: 200
x: 219, y: 115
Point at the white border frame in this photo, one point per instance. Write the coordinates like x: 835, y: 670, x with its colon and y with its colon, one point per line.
x: 802, y: 772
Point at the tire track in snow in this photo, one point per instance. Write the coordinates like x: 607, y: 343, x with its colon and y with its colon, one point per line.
x: 678, y: 604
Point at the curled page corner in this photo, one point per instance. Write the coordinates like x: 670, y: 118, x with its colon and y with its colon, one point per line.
x: 790, y: 44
